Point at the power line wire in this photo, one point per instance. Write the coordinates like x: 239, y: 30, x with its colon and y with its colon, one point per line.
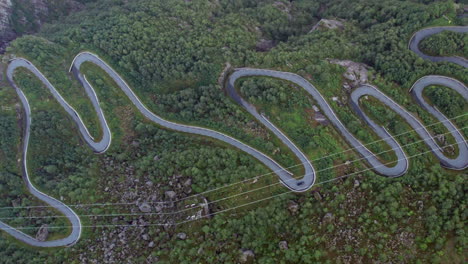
x: 243, y: 181
x: 221, y: 199
x: 225, y: 210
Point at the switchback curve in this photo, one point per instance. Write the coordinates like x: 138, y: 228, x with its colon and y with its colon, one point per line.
x: 300, y: 185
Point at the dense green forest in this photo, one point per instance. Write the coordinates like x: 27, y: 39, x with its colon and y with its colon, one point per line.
x: 172, y: 54
x: 446, y: 44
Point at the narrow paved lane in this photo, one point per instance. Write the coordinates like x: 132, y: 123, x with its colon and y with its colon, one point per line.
x: 297, y: 185
x: 427, y: 32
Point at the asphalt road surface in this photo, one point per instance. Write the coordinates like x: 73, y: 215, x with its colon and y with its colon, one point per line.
x: 297, y: 185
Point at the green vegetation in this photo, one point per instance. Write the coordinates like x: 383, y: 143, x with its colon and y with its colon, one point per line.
x: 172, y: 53
x: 28, y: 15
x: 446, y: 44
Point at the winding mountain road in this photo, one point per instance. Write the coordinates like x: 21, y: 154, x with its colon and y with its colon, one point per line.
x: 427, y: 32
x: 297, y: 185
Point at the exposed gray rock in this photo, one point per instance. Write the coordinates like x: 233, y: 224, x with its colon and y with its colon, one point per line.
x: 151, y: 244
x: 222, y: 77
x: 188, y: 183
x: 327, y: 23
x: 328, y: 218
x: 318, y: 196
x: 145, y: 237
x: 42, y: 233
x: 159, y: 207
x: 321, y: 119
x: 293, y: 207
x: 264, y: 45
x: 182, y: 236
x: 206, y: 208
x: 356, y: 73
x: 283, y: 245
x: 356, y: 183
x: 16, y: 202
x: 170, y: 194
x: 441, y: 139
x: 145, y: 208
x: 246, y: 255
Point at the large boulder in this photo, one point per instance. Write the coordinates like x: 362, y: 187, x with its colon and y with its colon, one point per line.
x: 328, y: 218
x: 283, y: 245
x: 182, y: 236
x: 328, y: 24
x: 170, y: 194
x: 293, y: 207
x: 356, y: 73
x: 145, y: 208
x: 264, y: 45
x: 246, y: 255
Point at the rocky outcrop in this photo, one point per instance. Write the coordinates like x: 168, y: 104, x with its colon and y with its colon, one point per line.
x: 145, y: 208
x: 356, y: 73
x: 170, y: 195
x: 181, y: 236
x: 246, y: 255
x: 293, y: 207
x: 328, y: 24
x: 43, y: 233
x: 264, y: 45
x: 30, y: 15
x: 328, y: 218
x: 6, y: 32
x: 283, y: 245
x: 226, y: 71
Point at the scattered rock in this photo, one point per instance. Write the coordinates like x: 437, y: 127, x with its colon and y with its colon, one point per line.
x: 321, y: 119
x: 135, y: 143
x: 205, y: 207
x: 328, y: 218
x: 450, y: 149
x: 222, y: 77
x: 264, y: 45
x: 356, y: 183
x: 441, y: 139
x: 182, y: 236
x: 283, y: 245
x: 145, y: 208
x: 284, y: 7
x: 159, y: 207
x: 151, y: 244
x: 420, y: 205
x: 16, y: 202
x: 145, y: 237
x: 188, y: 183
x: 293, y: 207
x: 156, y: 158
x: 43, y: 233
x: 356, y: 73
x: 149, y: 183
x: 170, y: 194
x: 246, y: 255
x: 327, y: 23
x: 317, y: 196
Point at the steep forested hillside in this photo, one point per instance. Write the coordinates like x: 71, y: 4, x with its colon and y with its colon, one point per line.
x: 172, y: 53
x: 20, y: 17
